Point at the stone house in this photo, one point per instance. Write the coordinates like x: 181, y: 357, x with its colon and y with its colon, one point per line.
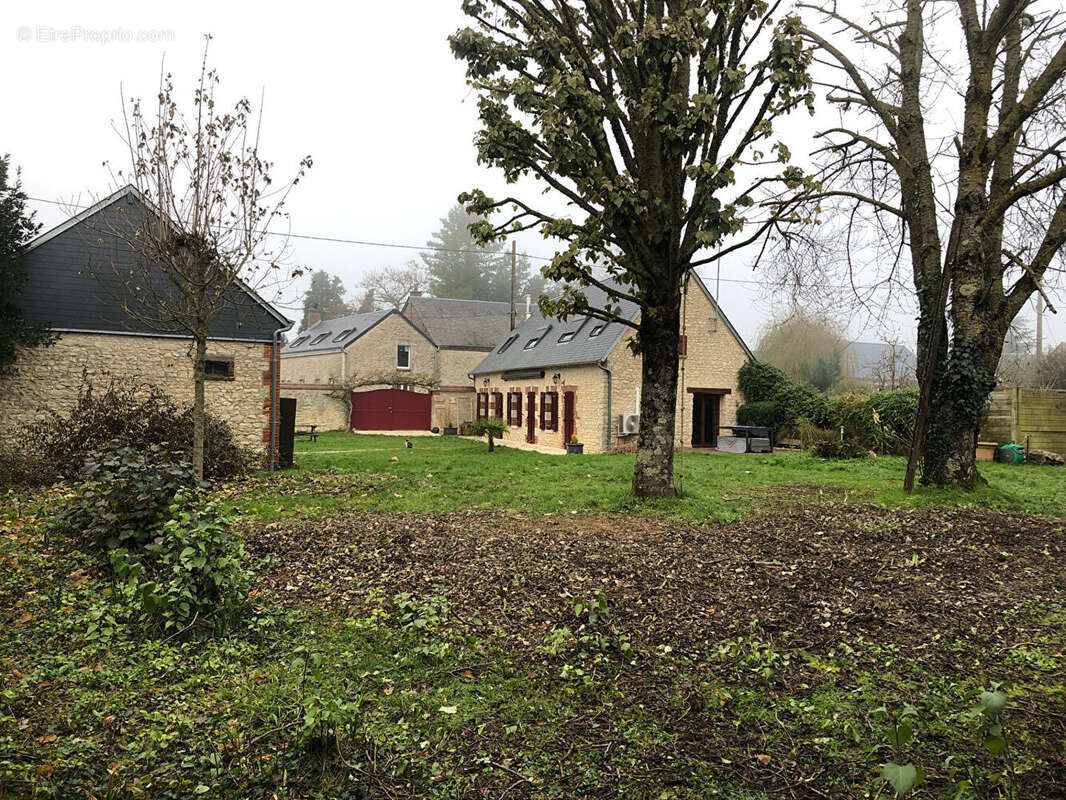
x: 73, y: 287
x: 551, y: 380
x: 396, y: 369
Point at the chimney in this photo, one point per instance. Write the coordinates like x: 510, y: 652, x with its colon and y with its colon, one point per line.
x: 314, y: 316
x: 415, y: 292
x: 528, y: 312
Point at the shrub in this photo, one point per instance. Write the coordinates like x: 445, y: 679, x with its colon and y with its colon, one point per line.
x: 898, y: 411
x: 840, y: 448
x: 763, y: 413
x: 125, y: 496
x: 193, y: 570
x: 762, y: 382
x: 492, y: 427
x: 138, y: 415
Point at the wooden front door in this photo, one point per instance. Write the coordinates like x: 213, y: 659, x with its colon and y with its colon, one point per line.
x: 568, y: 417
x: 531, y: 417
x: 705, y: 409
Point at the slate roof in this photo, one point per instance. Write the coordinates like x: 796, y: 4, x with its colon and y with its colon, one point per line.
x: 472, y: 324
x: 581, y: 348
x: 73, y: 282
x: 868, y: 357
x: 333, y: 335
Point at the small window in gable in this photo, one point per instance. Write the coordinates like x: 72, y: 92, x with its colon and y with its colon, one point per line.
x: 566, y: 337
x: 403, y: 356
x: 218, y: 368
x: 320, y: 338
x: 596, y: 331
x: 343, y: 334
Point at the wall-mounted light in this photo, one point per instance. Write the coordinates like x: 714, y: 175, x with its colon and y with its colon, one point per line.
x: 556, y: 378
x: 486, y: 381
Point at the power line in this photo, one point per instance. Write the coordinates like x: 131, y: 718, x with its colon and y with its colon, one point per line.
x: 369, y: 243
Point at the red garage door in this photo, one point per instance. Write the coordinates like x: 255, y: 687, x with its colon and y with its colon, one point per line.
x: 390, y: 410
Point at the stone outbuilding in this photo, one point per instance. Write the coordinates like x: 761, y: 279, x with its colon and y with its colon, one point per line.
x: 394, y: 369
x: 74, y: 287
x: 551, y: 380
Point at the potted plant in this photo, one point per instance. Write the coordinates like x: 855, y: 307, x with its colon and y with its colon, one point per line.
x: 450, y: 429
x: 493, y: 427
x: 466, y: 429
x: 574, y: 447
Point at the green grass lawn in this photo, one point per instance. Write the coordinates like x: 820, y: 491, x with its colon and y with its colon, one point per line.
x: 451, y: 474
x: 392, y: 692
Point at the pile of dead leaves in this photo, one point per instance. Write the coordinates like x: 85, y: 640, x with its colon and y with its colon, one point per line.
x: 821, y: 574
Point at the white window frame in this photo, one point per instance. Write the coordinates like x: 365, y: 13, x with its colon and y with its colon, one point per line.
x: 408, y: 348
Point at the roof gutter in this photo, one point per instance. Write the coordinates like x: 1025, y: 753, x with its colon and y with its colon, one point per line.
x: 602, y: 366
x: 275, y: 401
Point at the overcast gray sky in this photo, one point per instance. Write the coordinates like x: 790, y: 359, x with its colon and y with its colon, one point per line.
x: 369, y: 90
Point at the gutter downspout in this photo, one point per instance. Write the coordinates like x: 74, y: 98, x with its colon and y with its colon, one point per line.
x: 275, y: 401
x: 600, y: 364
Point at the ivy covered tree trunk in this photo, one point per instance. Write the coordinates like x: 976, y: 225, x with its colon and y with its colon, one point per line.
x: 653, y: 475
x: 963, y: 379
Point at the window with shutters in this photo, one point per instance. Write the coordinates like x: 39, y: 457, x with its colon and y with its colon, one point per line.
x: 514, y: 409
x: 549, y: 411
x: 497, y: 404
x: 482, y: 405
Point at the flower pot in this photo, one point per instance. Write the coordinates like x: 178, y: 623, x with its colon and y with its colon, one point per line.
x: 451, y: 430
x: 575, y: 449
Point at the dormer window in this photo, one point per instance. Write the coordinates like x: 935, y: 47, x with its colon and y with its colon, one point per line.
x: 299, y: 342
x: 343, y: 334
x: 596, y: 331
x: 532, y: 343
x: 508, y: 343
x: 319, y: 339
x: 566, y: 337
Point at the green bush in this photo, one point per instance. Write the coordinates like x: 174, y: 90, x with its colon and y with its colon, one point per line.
x: 763, y: 413
x: 193, y: 570
x: 764, y: 382
x: 840, y: 448
x: 125, y: 495
x: 138, y: 415
x: 880, y: 421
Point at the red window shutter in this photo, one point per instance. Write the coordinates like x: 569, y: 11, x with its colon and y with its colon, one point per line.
x: 518, y: 409
x: 682, y: 345
x: 555, y: 411
x: 542, y: 405
x: 510, y: 409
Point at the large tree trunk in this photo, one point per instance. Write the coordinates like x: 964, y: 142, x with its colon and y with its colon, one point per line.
x: 198, y: 405
x: 653, y: 475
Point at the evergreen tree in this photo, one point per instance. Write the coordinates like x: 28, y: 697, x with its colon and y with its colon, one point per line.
x: 459, y: 267
x: 17, y: 227
x: 325, y: 295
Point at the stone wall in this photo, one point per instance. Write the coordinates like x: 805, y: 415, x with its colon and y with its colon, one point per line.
x: 320, y: 368
x: 374, y: 352
x: 50, y: 377
x: 456, y: 366
x: 589, y: 386
x: 316, y: 406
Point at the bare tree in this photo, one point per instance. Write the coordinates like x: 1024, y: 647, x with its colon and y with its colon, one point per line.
x: 201, y: 235
x: 390, y: 286
x: 805, y: 346
x: 977, y: 207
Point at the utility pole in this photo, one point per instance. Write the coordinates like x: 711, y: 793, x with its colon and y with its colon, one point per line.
x: 514, y: 259
x: 1039, y: 324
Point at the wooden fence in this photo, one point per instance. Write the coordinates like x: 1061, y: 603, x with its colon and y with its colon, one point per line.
x: 1014, y: 414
